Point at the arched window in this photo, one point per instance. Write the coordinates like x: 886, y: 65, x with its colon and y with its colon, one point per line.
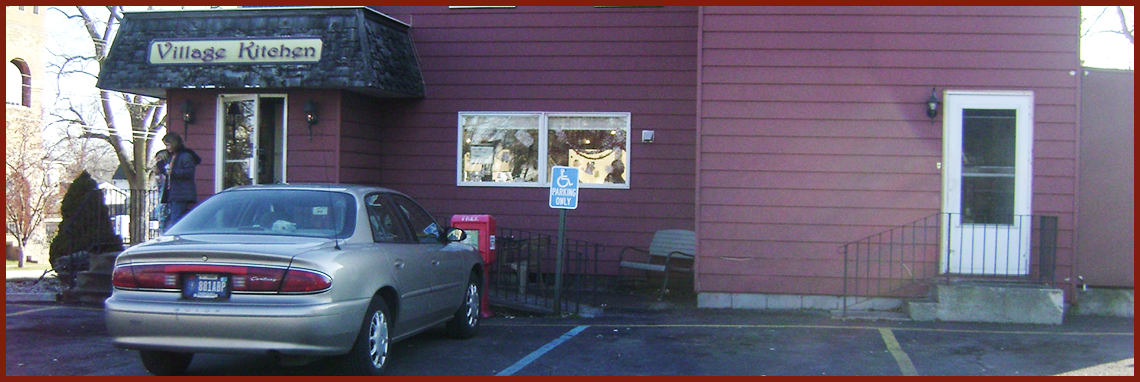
x: 19, y: 83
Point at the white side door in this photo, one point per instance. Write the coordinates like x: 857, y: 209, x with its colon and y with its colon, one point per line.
x: 987, y: 182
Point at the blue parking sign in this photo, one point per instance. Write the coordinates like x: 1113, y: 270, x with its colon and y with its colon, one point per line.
x: 564, y: 187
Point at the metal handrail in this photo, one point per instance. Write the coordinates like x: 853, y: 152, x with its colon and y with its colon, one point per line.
x: 903, y: 261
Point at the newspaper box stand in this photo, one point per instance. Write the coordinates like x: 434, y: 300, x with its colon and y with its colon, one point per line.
x: 480, y: 231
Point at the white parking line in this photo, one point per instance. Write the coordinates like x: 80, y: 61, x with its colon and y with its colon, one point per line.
x: 31, y: 311
x: 542, y: 350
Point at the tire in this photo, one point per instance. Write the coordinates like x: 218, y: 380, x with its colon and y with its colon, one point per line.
x: 164, y: 363
x: 465, y: 323
x: 369, y: 355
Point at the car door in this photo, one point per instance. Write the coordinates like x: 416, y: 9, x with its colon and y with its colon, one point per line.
x: 411, y: 263
x: 448, y: 278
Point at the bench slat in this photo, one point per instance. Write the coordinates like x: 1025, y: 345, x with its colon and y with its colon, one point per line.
x: 645, y: 266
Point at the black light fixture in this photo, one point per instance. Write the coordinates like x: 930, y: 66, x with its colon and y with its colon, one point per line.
x: 311, y: 115
x: 187, y: 112
x: 932, y: 105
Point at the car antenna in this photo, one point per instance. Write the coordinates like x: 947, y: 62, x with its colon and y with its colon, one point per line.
x: 336, y: 238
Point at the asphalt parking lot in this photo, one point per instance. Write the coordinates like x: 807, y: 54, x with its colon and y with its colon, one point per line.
x: 649, y: 338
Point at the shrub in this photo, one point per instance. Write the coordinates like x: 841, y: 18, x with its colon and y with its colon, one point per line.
x: 85, y: 228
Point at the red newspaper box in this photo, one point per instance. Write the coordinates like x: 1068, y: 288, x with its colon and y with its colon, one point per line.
x: 480, y: 231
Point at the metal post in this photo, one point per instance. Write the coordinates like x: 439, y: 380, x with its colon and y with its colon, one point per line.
x: 558, y: 262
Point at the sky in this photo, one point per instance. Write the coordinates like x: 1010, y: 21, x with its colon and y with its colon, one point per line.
x: 1106, y: 50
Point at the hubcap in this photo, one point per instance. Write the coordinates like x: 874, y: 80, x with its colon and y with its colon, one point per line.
x: 378, y: 339
x: 472, y: 304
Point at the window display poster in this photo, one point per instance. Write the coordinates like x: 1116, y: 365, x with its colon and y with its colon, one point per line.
x: 482, y: 154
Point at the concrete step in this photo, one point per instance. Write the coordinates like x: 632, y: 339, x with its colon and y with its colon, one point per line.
x: 871, y: 315
x: 85, y: 296
x: 93, y: 280
x: 992, y: 302
x: 103, y: 262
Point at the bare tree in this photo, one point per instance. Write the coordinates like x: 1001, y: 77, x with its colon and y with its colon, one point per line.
x: 1127, y: 27
x: 128, y: 123
x: 30, y: 194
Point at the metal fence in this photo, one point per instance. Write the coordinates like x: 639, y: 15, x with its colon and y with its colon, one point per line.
x: 122, y: 211
x: 903, y: 262
x: 524, y: 274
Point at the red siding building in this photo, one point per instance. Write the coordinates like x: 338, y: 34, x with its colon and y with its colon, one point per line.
x: 779, y: 134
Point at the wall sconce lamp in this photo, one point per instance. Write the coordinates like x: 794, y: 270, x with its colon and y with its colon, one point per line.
x: 187, y: 112
x: 932, y: 105
x: 187, y: 116
x: 311, y: 115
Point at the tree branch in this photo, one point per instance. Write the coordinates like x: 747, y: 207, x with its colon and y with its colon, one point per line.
x: 1128, y: 33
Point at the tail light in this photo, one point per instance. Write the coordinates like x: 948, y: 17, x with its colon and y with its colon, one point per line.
x: 244, y: 278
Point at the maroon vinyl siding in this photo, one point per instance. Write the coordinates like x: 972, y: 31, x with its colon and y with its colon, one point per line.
x: 552, y: 59
x: 362, y: 127
x: 812, y: 131
x: 314, y: 159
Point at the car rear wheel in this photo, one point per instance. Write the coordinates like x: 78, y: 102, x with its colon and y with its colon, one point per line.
x: 369, y: 354
x: 165, y: 362
x: 465, y: 323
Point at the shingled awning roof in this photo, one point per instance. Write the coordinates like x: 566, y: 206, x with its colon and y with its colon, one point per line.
x: 361, y: 50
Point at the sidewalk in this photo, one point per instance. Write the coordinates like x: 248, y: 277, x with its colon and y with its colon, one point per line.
x: 24, y: 273
x: 20, y: 286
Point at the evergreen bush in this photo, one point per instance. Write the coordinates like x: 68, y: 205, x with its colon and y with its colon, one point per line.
x: 85, y: 229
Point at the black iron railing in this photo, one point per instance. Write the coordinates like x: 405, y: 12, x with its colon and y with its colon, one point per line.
x: 903, y: 262
x: 523, y: 275
x: 135, y: 214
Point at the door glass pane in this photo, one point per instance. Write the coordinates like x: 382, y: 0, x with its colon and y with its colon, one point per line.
x: 989, y: 142
x: 500, y: 148
x: 423, y: 225
x: 238, y: 146
x: 596, y: 145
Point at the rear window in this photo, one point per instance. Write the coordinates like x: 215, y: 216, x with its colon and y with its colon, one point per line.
x: 272, y: 212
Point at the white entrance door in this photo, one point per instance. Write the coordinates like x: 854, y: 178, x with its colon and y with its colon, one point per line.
x: 987, y: 182
x: 250, y: 140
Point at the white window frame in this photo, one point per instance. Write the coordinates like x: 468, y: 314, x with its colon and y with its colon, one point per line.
x: 543, y: 145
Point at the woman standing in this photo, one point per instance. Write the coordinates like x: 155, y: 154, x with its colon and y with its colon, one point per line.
x: 180, y: 192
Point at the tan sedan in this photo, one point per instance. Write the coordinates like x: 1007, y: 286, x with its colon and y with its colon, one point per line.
x: 295, y: 271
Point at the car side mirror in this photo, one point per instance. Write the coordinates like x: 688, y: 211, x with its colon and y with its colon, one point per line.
x: 456, y: 234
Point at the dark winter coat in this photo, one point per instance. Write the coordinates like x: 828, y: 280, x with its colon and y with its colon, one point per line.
x: 180, y: 185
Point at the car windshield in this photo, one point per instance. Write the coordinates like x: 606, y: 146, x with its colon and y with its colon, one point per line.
x: 307, y: 213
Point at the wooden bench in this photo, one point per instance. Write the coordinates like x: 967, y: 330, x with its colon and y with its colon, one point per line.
x: 668, y: 247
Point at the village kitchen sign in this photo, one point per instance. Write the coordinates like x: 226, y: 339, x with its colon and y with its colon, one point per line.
x: 235, y: 51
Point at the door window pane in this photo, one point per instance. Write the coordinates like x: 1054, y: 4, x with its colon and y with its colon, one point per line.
x: 987, y: 200
x: 422, y: 224
x: 387, y: 227
x: 989, y: 143
x: 238, y: 147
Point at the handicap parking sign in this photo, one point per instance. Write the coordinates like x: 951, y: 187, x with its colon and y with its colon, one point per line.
x: 564, y: 187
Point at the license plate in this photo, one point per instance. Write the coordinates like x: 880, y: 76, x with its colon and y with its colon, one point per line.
x: 206, y: 287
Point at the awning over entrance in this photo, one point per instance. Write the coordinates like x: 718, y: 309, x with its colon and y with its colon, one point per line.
x: 351, y: 48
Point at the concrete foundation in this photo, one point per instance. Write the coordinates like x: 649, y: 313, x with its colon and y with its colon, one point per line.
x: 958, y: 302
x: 791, y: 302
x: 1105, y: 302
x: 994, y: 303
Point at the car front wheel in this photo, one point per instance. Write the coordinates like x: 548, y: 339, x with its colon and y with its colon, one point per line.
x: 164, y: 362
x: 465, y: 323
